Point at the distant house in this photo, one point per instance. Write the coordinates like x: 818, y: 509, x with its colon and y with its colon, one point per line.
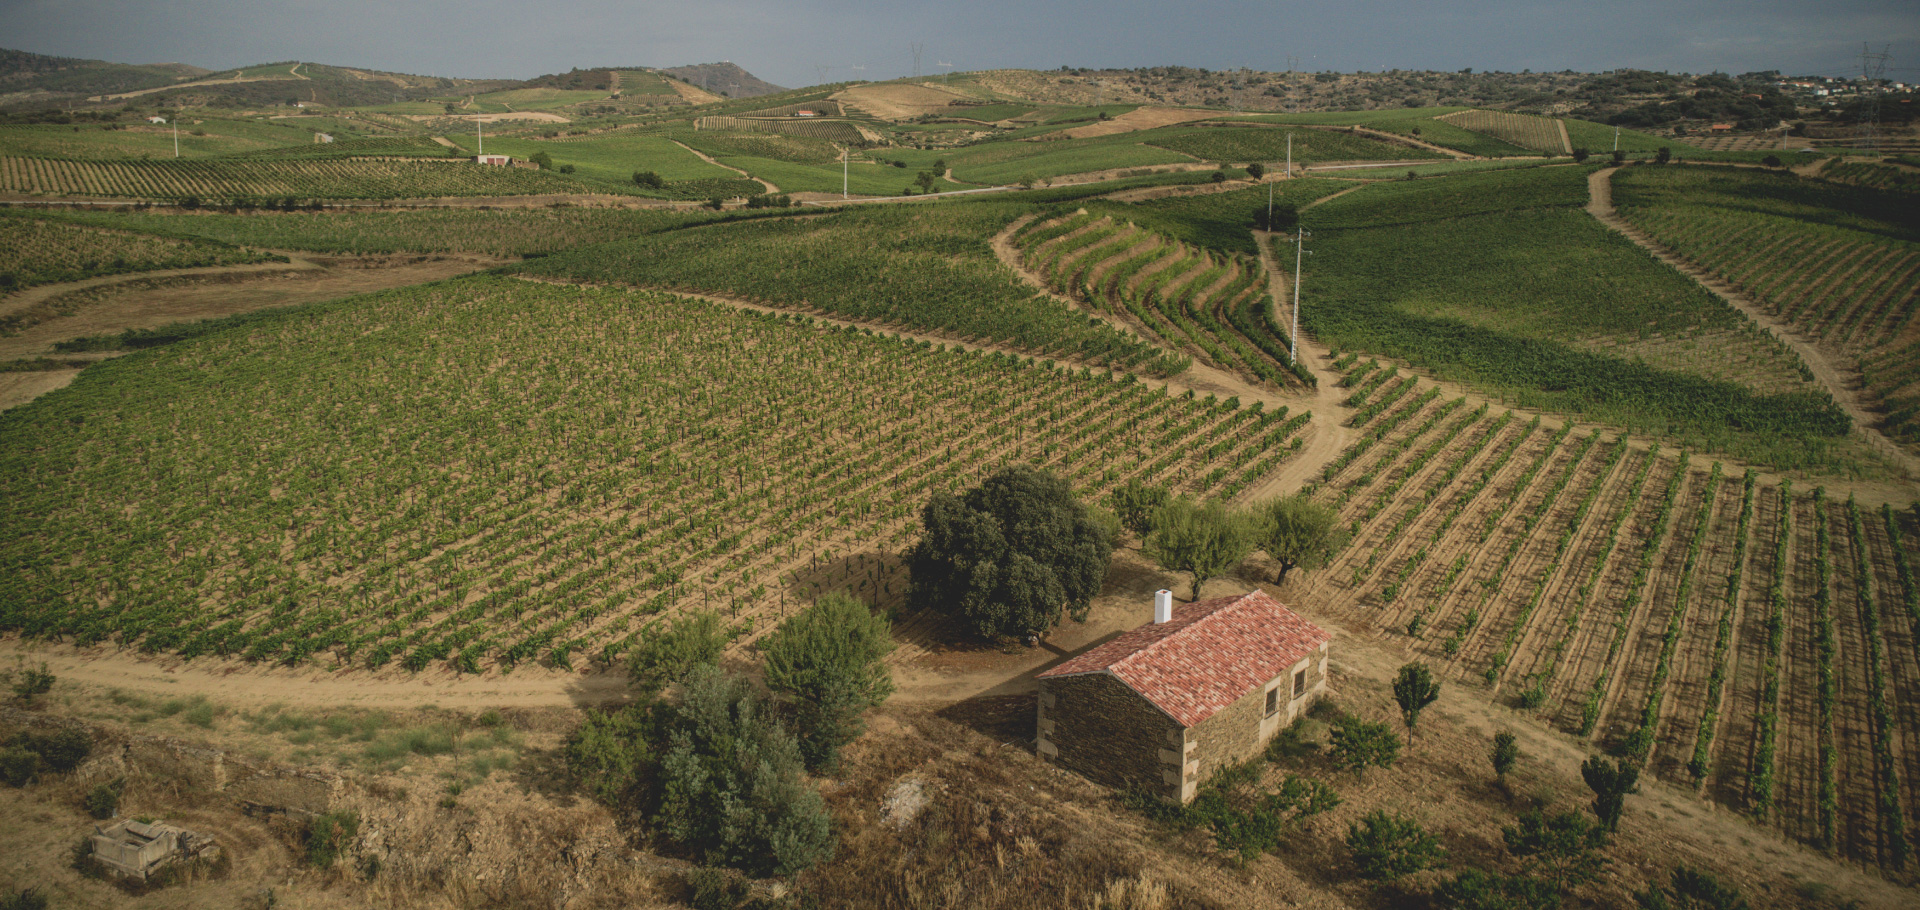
x: 806, y: 113
x: 496, y: 160
x: 319, y: 138
x: 1166, y: 705
x: 1721, y: 128
x: 156, y: 119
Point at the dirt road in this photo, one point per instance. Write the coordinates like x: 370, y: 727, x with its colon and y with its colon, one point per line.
x: 703, y: 156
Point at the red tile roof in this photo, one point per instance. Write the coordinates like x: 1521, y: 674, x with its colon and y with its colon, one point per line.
x: 1209, y: 655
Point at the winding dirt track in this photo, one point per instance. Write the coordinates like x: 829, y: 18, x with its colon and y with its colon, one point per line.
x: 1846, y: 393
x: 703, y: 156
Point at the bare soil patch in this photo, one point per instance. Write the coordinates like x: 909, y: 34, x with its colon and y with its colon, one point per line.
x: 900, y: 102
x: 1144, y: 118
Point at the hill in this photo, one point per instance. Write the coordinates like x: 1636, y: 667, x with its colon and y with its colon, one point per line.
x: 723, y: 78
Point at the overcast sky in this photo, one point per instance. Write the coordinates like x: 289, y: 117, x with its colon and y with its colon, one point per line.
x: 789, y: 41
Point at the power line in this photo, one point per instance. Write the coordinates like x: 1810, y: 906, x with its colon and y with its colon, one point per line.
x: 1873, y: 68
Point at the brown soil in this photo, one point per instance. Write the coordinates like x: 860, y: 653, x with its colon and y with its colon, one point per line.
x: 899, y: 101
x: 1144, y: 118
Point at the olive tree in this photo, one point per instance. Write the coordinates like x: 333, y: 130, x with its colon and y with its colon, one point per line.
x: 1299, y: 533
x: 1204, y: 539
x: 827, y: 662
x: 1010, y: 555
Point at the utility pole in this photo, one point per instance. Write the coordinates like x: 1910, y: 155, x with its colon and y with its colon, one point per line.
x: 917, y: 48
x: 1616, y: 138
x: 479, y: 140
x: 175, y: 122
x: 1299, y: 252
x: 820, y: 72
x: 947, y: 76
x: 843, y: 175
x: 1289, y: 155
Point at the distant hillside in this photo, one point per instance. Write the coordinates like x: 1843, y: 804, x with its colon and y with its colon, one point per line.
x: 28, y: 74
x: 1254, y: 90
x: 723, y: 79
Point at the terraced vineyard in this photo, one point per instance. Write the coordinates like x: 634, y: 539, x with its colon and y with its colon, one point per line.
x: 830, y: 130
x: 1745, y: 637
x: 1840, y: 265
x: 334, y: 490
x: 211, y: 180
x: 1214, y: 307
x: 1541, y: 134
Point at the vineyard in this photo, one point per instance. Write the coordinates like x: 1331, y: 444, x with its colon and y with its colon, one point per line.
x: 1213, y: 308
x: 1219, y: 221
x: 1269, y: 144
x: 197, y: 139
x: 508, y: 232
x: 212, y: 180
x: 45, y: 251
x: 842, y: 131
x: 379, y: 147
x: 1839, y: 264
x: 1541, y: 134
x: 1493, y: 279
x: 334, y: 490
x: 1750, y: 639
x: 924, y: 270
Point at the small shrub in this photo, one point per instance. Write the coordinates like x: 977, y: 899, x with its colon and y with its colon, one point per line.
x: 714, y: 889
x: 329, y: 835
x: 24, y: 899
x: 104, y: 800
x: 60, y: 751
x: 18, y: 767
x: 1506, y: 751
x: 31, y: 682
x: 1389, y: 846
x: 1361, y: 744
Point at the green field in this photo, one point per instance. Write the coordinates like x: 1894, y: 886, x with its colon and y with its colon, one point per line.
x: 1004, y: 162
x: 534, y: 99
x: 1598, y: 139
x: 1269, y: 144
x: 791, y: 149
x: 612, y: 159
x: 928, y: 269
x: 570, y: 462
x: 1218, y: 221
x: 1499, y: 279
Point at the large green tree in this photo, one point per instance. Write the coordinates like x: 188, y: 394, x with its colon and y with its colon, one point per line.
x: 1299, y: 533
x: 827, y: 661
x: 1204, y: 539
x: 1009, y: 555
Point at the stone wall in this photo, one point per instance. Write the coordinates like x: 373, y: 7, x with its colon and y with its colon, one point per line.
x: 1096, y: 725
x: 1243, y: 729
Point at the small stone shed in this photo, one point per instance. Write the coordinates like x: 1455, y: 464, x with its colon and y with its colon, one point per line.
x: 137, y: 849
x: 1164, y: 706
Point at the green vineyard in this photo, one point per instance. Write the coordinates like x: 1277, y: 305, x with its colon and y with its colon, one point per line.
x: 630, y: 454
x: 1541, y: 134
x: 211, y: 180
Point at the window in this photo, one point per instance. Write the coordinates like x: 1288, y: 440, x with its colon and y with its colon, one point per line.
x: 1300, y: 682
x: 1273, y: 701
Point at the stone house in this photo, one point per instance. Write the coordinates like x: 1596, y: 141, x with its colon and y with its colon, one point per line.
x: 1163, y: 707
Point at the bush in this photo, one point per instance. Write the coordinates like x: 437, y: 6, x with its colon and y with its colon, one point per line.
x: 1219, y: 176
x: 31, y: 682
x: 1256, y: 170
x: 671, y: 648
x: 828, y: 659
x: 1611, y: 783
x: 1692, y: 889
x: 60, y: 751
x: 18, y: 767
x: 1415, y: 689
x: 103, y: 800
x: 1506, y: 751
x: 1478, y: 889
x: 1389, y: 846
x: 1009, y: 555
x: 649, y: 179
x: 714, y: 889
x: 1562, y: 849
x: 730, y: 785
x: 1361, y: 744
x: 1137, y: 504
x: 329, y: 835
x: 24, y: 899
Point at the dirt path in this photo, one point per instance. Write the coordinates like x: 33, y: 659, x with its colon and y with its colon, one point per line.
x: 1398, y: 139
x: 31, y: 297
x: 1833, y: 378
x: 292, y: 76
x: 703, y: 156
x: 445, y: 141
x: 1328, y: 434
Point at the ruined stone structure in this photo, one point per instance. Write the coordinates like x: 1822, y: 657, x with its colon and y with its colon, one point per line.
x: 1166, y: 705
x: 137, y: 850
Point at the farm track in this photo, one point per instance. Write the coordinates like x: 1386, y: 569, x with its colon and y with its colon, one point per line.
x: 25, y: 300
x: 1846, y: 393
x: 703, y: 156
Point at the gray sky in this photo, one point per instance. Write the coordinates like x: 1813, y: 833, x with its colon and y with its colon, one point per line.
x: 787, y: 41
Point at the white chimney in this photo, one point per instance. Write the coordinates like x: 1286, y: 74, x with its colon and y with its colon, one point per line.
x: 1162, y: 605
